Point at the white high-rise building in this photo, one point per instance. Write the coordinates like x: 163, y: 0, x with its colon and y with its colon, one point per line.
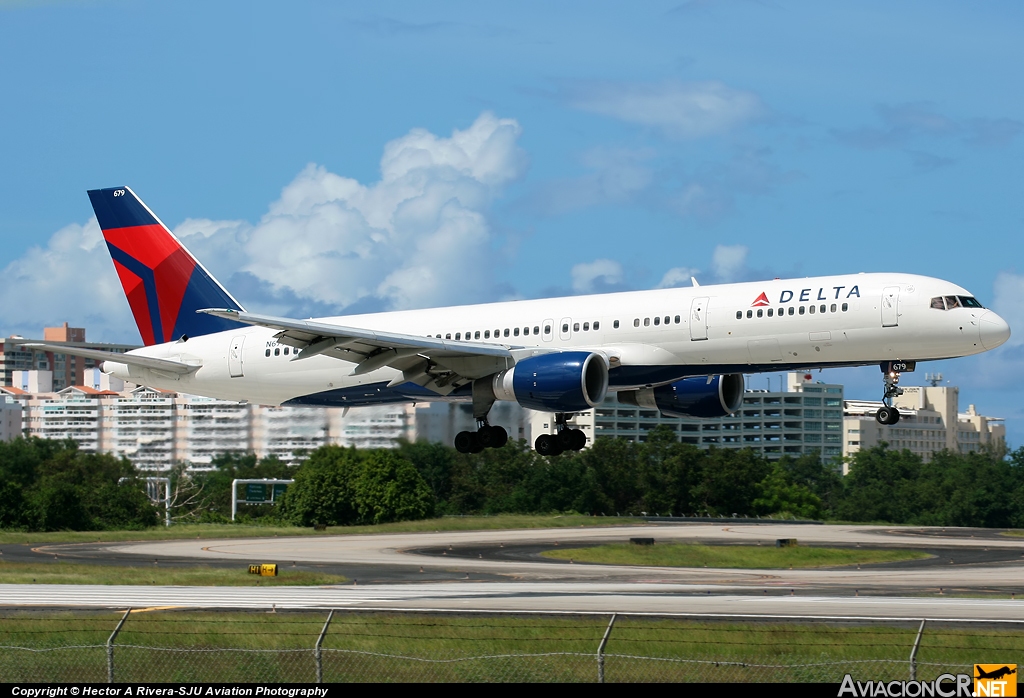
x: 930, y: 421
x: 805, y: 418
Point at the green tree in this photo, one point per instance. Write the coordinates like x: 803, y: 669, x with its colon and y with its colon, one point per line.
x: 323, y: 491
x: 87, y: 492
x: 388, y: 488
x: 436, y: 463
x: 780, y: 495
x: 881, y: 486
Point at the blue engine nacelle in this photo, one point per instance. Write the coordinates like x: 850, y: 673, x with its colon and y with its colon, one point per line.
x: 691, y: 397
x: 566, y: 381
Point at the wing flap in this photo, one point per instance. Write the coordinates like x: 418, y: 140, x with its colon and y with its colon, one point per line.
x: 309, y: 334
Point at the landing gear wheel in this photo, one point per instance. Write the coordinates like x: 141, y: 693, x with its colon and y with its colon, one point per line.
x: 547, y: 445
x: 468, y: 442
x: 492, y: 437
x: 887, y: 415
x: 572, y: 439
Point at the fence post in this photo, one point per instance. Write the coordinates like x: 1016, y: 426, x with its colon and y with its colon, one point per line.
x: 913, y: 652
x: 600, y: 650
x: 110, y: 646
x: 317, y: 654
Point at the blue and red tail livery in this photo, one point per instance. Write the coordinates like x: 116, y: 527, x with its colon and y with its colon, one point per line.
x: 164, y: 283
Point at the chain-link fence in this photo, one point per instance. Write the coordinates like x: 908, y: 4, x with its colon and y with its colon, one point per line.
x: 177, y: 645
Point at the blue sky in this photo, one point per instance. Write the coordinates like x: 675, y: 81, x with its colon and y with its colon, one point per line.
x: 568, y: 147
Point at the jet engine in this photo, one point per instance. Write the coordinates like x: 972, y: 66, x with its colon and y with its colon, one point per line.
x: 691, y: 397
x: 568, y: 381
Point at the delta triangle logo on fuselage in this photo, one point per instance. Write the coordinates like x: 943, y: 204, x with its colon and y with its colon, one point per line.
x: 809, y: 294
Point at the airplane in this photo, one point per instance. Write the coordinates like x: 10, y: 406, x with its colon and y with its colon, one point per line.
x: 682, y: 351
x: 995, y: 673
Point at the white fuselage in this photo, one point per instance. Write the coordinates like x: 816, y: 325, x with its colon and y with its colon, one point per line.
x: 649, y: 337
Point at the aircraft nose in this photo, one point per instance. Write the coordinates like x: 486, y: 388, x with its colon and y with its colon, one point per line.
x: 994, y: 330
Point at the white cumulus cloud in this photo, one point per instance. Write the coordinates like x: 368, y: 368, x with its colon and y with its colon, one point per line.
x: 678, y: 276
x: 679, y: 109
x: 417, y: 237
x: 71, y: 278
x: 598, y: 275
x: 729, y: 262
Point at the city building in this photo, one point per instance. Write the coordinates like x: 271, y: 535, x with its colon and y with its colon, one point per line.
x: 805, y: 418
x: 10, y: 418
x: 156, y: 429
x: 930, y: 421
x: 66, y: 370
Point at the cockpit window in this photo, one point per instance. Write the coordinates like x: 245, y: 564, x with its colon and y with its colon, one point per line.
x: 937, y: 303
x: 952, y: 302
x: 969, y: 302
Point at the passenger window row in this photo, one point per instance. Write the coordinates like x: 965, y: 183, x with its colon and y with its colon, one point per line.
x: 525, y: 331
x: 793, y: 310
x: 576, y: 326
x: 277, y: 351
x: 668, y: 320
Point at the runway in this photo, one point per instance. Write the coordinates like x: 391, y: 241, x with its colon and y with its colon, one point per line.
x: 566, y: 597
x: 502, y: 571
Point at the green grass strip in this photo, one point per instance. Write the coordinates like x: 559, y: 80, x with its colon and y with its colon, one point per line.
x: 729, y: 556
x: 214, y: 531
x: 162, y: 575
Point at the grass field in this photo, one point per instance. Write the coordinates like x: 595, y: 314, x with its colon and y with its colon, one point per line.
x: 730, y: 556
x: 183, y: 646
x: 213, y: 531
x: 72, y: 573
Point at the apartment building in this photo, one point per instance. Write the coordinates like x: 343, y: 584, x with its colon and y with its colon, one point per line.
x: 156, y: 429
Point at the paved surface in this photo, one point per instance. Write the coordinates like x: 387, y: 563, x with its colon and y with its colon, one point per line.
x: 501, y: 570
x: 565, y: 597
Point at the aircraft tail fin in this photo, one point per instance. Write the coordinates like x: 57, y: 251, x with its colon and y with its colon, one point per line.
x: 164, y: 283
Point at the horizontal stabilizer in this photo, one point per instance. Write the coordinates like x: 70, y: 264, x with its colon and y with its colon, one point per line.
x: 127, y: 359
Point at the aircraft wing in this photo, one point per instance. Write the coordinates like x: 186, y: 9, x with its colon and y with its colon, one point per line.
x: 436, y: 364
x: 149, y: 362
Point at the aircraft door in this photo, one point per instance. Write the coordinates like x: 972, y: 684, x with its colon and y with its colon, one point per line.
x: 235, y: 356
x: 565, y: 329
x: 890, y: 306
x: 548, y: 326
x: 699, y: 319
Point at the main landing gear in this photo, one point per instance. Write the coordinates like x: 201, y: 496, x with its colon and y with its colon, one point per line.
x: 564, y: 438
x: 887, y: 414
x: 485, y: 436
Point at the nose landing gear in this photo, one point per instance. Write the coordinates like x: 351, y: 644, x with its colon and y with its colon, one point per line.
x: 564, y: 438
x: 887, y: 414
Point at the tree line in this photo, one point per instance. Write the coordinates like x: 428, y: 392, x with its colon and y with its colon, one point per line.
x: 47, y: 485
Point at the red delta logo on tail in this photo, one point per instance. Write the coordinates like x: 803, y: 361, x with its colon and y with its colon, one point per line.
x: 164, y: 283
x: 760, y: 301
